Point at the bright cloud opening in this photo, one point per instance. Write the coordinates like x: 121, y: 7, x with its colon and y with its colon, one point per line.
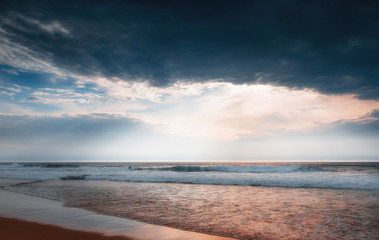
x: 226, y: 111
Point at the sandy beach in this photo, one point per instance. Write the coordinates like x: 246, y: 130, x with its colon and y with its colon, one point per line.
x: 24, y: 216
x: 296, y: 201
x: 15, y: 229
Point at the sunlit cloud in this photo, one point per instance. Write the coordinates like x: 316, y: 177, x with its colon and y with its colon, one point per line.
x: 229, y: 112
x: 210, y: 109
x: 135, y: 90
x: 57, y: 96
x: 226, y: 111
x: 21, y: 57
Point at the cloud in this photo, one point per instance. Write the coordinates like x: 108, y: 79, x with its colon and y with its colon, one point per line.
x: 60, y: 128
x: 11, y: 89
x: 232, y: 72
x: 282, y: 43
x: 53, y: 27
x: 57, y: 101
x: 21, y: 57
x: 28, y: 24
x: 62, y: 137
x: 229, y: 112
x: 10, y: 71
x: 62, y: 96
x: 125, y: 90
x: 212, y: 110
x: 126, y: 137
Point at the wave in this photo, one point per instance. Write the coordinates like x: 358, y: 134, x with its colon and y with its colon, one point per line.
x: 181, y: 168
x: 288, y: 175
x: 71, y: 177
x: 237, y: 169
x: 47, y: 165
x: 288, y: 180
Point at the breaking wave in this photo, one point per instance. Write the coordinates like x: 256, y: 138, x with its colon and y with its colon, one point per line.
x: 285, y: 175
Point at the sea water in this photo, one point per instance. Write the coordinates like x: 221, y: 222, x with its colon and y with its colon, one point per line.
x: 241, y: 200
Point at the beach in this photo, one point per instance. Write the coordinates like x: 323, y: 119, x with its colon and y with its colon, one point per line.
x: 15, y: 229
x: 318, y: 209
x: 48, y: 219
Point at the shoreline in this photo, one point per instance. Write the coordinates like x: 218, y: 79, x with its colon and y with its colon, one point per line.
x: 40, y: 213
x: 243, y: 212
x: 16, y: 229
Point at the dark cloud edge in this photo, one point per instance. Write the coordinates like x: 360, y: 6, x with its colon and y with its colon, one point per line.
x: 331, y: 47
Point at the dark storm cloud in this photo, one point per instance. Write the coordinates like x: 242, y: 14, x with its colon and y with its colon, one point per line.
x: 331, y: 46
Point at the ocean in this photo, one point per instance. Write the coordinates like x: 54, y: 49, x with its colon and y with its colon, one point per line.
x: 241, y: 200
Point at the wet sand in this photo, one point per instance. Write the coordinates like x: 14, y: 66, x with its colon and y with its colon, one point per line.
x: 38, y: 214
x: 15, y: 229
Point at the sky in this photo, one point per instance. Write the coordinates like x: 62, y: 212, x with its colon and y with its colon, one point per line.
x: 189, y: 80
